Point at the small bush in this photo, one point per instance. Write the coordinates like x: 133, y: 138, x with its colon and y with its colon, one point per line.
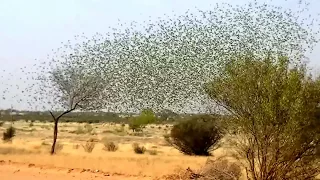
x: 88, y: 128
x: 110, y: 146
x: 89, y: 146
x: 1, y: 123
x: 198, y: 135
x: 76, y: 146
x: 44, y: 143
x: 9, y: 134
x: 138, y: 149
x: 153, y: 152
x: 83, y: 130
x: 31, y: 124
x: 219, y: 169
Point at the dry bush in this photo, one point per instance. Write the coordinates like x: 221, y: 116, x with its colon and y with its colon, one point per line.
x: 76, y: 146
x: 9, y: 134
x: 89, y: 146
x: 110, y: 146
x: 1, y: 123
x: 179, y: 174
x: 138, y: 149
x: 44, y: 143
x: 153, y: 152
x: 219, y: 169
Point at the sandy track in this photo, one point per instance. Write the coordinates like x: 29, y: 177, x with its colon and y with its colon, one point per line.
x: 17, y: 171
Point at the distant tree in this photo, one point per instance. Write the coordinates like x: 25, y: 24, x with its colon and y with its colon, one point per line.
x: 166, y: 115
x: 146, y: 116
x: 273, y: 108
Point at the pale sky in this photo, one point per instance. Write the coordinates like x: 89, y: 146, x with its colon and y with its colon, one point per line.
x: 30, y: 29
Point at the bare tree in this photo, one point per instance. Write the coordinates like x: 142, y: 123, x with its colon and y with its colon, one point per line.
x: 72, y: 87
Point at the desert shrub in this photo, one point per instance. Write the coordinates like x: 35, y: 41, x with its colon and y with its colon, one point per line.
x: 31, y: 124
x: 76, y: 146
x: 9, y: 134
x: 119, y: 130
x: 138, y: 149
x: 79, y: 130
x: 44, y: 143
x: 83, y: 130
x: 89, y: 146
x: 1, y: 123
x: 153, y: 152
x: 110, y: 146
x: 219, y: 169
x: 88, y: 128
x: 197, y: 135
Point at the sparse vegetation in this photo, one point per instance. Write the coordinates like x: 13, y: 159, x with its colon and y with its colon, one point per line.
x: 238, y: 71
x: 9, y: 134
x: 89, y: 145
x: 153, y: 152
x: 138, y: 149
x: 76, y: 146
x: 12, y: 150
x: 110, y: 146
x: 86, y: 129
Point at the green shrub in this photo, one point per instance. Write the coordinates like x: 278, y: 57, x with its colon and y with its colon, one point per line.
x: 198, y: 135
x: 146, y: 116
x: 138, y: 149
x: 9, y: 134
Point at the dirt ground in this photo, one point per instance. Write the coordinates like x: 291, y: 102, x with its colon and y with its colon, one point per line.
x: 16, y: 171
x: 27, y: 157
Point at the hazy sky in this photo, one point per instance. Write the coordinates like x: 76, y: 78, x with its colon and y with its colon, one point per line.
x: 30, y: 29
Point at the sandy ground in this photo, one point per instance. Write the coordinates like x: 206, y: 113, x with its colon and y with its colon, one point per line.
x: 27, y: 156
x: 17, y: 171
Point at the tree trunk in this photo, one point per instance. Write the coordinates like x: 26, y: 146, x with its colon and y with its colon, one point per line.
x: 55, y: 136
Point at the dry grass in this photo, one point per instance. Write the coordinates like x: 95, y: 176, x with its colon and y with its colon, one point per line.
x: 124, y: 161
